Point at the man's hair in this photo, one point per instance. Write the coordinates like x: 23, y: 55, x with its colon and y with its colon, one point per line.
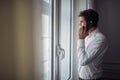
x: 90, y: 15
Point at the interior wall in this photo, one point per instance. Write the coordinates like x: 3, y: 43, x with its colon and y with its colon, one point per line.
x: 23, y: 39
x: 79, y: 5
x: 109, y: 24
x: 6, y: 40
x: 16, y: 42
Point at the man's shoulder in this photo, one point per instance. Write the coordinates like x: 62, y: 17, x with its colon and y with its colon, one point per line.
x: 100, y: 36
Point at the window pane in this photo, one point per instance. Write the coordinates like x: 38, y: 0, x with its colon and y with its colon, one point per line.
x: 46, y: 39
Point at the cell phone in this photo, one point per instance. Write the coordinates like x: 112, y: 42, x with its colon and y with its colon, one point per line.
x: 88, y: 26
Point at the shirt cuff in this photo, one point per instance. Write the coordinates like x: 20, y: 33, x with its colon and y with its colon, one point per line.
x: 81, y: 43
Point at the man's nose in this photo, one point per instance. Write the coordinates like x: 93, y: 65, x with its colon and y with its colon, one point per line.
x: 81, y: 25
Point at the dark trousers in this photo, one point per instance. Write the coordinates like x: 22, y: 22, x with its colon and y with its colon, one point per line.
x: 91, y: 79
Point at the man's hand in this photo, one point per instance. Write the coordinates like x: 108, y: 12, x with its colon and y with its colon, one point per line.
x: 82, y: 33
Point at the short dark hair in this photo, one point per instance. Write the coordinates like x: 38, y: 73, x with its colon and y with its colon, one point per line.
x: 90, y: 15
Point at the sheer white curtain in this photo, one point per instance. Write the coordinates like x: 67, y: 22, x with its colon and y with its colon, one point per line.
x: 42, y: 33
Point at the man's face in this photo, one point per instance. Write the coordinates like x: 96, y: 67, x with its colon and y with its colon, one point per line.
x: 82, y: 21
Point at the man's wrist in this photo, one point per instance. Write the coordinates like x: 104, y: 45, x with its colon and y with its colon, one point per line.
x: 81, y: 43
x: 81, y: 37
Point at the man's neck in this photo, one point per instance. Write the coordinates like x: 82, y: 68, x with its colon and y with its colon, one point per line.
x: 91, y: 30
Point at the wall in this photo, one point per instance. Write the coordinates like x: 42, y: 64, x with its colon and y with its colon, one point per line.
x: 16, y: 40
x: 23, y: 39
x: 109, y: 24
x: 6, y: 40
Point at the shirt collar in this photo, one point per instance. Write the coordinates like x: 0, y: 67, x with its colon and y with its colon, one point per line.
x: 93, y: 33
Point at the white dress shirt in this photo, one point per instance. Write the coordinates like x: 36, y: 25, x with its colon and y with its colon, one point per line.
x: 90, y: 55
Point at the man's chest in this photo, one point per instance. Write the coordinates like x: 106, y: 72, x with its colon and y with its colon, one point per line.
x: 89, y: 41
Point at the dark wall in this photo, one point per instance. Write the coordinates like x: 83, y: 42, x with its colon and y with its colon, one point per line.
x: 6, y: 40
x: 16, y: 40
x: 109, y: 24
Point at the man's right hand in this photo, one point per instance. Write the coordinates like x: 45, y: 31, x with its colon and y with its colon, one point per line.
x: 82, y: 33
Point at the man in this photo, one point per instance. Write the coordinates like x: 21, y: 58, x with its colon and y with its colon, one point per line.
x: 91, y: 46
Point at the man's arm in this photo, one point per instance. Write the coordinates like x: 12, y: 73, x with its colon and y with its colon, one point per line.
x: 86, y: 56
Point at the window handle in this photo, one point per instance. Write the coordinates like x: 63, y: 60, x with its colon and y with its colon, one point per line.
x: 60, y: 52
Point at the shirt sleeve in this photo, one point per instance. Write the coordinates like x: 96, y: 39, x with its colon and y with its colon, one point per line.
x: 86, y: 56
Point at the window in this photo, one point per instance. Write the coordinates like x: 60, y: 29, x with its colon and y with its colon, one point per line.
x: 46, y: 39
